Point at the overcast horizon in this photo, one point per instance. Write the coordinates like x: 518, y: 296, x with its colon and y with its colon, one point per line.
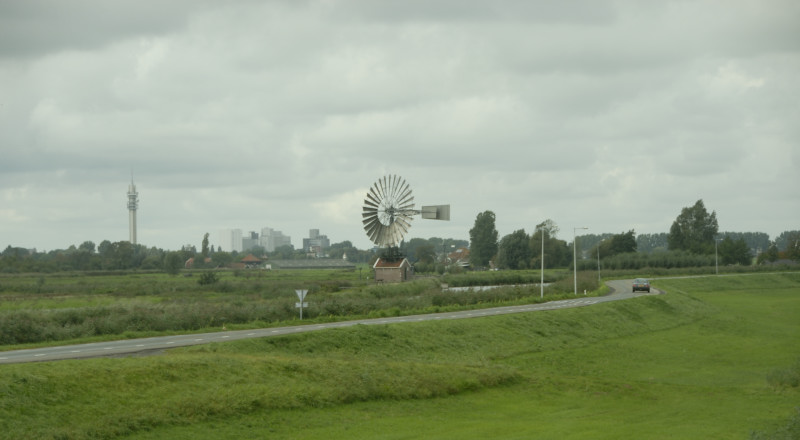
x: 611, y: 115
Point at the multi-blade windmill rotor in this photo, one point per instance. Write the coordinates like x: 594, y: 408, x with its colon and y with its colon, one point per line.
x: 389, y: 209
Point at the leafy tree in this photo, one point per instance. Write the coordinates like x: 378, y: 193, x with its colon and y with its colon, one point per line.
x: 410, y: 248
x: 549, y: 227
x: 285, y: 252
x: 785, y: 239
x: 694, y: 230
x: 83, y: 259
x: 338, y: 250
x: 117, y: 255
x: 556, y: 252
x: 755, y: 241
x: 104, y: 249
x: 173, y: 262
x: 591, y: 241
x: 221, y: 259
x: 87, y: 246
x: 770, y: 255
x: 625, y: 242
x: 648, y: 243
x: 514, y: 251
x: 204, y: 248
x: 734, y: 252
x: 483, y: 240
x: 793, y: 246
x: 257, y: 250
x: 617, y: 244
x: 426, y: 253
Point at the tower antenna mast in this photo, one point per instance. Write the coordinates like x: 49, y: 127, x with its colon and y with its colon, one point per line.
x: 133, y: 205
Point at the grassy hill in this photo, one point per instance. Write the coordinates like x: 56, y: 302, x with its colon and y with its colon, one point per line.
x: 716, y: 357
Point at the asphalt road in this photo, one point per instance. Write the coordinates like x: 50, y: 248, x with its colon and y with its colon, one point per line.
x: 133, y: 347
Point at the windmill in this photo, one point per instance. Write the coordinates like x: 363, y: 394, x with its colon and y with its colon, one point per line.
x: 389, y: 209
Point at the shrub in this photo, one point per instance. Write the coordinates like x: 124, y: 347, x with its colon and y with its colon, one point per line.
x: 785, y: 377
x: 208, y: 278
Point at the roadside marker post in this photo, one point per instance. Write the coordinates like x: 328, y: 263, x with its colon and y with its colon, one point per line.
x: 301, y: 295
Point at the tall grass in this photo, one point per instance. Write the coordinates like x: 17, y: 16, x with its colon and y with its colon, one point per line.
x: 64, y: 308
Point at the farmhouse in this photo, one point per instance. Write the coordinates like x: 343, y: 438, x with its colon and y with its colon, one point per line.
x: 392, y: 271
x: 251, y: 261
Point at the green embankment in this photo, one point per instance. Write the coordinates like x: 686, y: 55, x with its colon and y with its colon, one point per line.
x: 714, y: 358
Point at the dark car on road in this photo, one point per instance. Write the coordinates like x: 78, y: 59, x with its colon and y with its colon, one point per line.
x: 641, y: 284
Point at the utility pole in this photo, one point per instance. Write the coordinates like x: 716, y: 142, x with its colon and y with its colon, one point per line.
x: 575, y: 256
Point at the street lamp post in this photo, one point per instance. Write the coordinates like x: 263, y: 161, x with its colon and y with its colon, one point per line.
x: 716, y: 257
x: 541, y: 282
x: 599, y: 280
x: 575, y: 257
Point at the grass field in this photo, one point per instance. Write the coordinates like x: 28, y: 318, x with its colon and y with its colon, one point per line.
x: 59, y: 308
x: 715, y: 358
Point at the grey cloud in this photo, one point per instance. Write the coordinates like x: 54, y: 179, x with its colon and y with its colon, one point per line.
x: 34, y: 27
x: 252, y: 114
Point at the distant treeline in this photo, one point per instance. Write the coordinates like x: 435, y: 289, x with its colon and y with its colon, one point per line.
x: 123, y: 255
x: 515, y: 251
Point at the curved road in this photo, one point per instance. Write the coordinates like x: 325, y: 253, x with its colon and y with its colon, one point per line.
x: 128, y: 347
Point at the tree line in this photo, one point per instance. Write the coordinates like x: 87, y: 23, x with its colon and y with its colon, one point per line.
x: 693, y: 240
x: 693, y: 233
x: 122, y: 255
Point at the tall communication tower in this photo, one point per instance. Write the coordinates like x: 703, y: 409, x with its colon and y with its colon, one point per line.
x: 133, y: 203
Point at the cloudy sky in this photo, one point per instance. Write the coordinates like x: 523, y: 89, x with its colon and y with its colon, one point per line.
x: 612, y: 115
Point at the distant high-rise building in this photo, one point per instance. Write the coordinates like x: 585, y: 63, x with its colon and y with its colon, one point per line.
x: 250, y: 241
x: 133, y: 205
x: 316, y: 243
x: 271, y: 239
x: 230, y: 240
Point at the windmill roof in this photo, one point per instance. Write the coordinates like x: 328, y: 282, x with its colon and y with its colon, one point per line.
x: 384, y: 264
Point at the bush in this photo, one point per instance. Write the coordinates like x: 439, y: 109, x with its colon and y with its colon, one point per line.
x: 208, y: 278
x: 785, y: 377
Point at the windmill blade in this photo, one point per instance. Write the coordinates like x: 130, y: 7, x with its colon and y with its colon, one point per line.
x: 382, y: 190
x: 373, y: 230
x: 381, y: 236
x: 374, y: 196
x: 409, y: 205
x: 370, y: 202
x: 398, y: 188
x: 405, y: 194
x: 402, y: 225
x: 370, y: 222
